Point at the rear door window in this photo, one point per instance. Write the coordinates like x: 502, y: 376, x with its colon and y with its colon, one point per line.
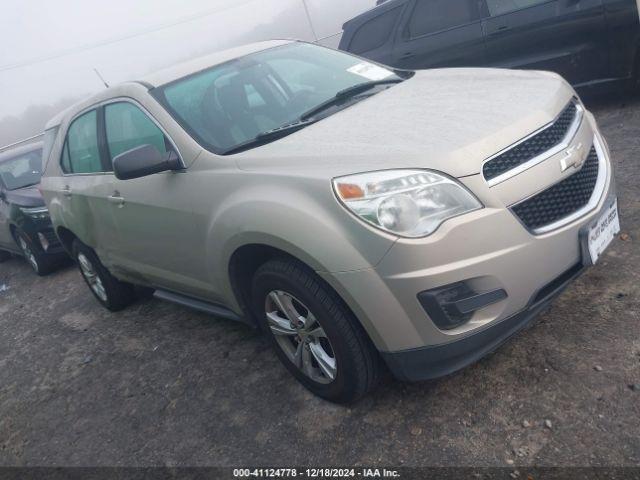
x: 81, y: 149
x: 128, y: 127
x: 500, y: 7
x: 430, y: 16
x: 374, y: 33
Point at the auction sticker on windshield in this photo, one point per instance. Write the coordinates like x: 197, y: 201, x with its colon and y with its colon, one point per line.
x: 602, y: 233
x: 370, y: 71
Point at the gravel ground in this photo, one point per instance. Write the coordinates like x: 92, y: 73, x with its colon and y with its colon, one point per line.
x: 162, y: 385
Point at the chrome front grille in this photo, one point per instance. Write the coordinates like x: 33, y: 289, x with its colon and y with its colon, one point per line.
x: 536, y: 147
x: 567, y: 200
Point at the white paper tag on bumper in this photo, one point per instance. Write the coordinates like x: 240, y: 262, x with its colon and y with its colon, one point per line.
x: 370, y: 71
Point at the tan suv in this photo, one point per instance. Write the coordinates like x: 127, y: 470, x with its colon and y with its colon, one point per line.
x: 354, y: 212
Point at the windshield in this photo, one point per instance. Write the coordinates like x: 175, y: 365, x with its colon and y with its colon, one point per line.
x: 22, y: 171
x: 234, y: 103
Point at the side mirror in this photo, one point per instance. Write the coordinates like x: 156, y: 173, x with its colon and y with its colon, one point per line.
x: 143, y: 161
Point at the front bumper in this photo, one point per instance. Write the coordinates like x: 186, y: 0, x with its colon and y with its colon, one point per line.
x: 34, y: 228
x: 53, y: 245
x: 437, y: 361
x: 490, y: 250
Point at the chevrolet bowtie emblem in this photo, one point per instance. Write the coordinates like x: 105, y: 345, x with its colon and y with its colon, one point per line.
x: 572, y: 158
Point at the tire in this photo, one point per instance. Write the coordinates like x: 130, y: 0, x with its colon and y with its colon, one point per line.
x: 39, y: 261
x: 108, y: 290
x: 340, y: 344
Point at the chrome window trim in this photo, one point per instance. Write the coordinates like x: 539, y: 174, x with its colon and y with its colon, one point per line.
x: 571, y: 133
x: 592, y: 204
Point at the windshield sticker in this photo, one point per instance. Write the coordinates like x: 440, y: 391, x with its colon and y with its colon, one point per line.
x: 370, y: 71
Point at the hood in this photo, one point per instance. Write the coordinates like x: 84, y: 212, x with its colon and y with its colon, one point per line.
x: 449, y: 120
x: 25, y: 197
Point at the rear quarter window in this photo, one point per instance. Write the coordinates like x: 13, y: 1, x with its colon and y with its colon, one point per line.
x: 48, y: 142
x: 374, y: 33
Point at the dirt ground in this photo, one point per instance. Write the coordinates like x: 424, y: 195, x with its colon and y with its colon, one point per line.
x: 162, y: 385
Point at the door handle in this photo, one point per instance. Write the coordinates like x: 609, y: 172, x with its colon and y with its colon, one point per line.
x: 498, y: 30
x: 116, y: 199
x: 408, y: 55
x: 66, y: 191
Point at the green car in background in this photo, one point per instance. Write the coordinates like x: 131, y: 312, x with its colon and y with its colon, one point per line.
x: 25, y: 225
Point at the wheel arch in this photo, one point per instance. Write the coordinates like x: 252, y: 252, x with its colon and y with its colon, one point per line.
x: 66, y: 238
x: 248, y: 258
x: 15, y: 230
x: 245, y: 260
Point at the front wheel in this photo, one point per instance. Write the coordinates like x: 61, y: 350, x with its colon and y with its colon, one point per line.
x: 313, y: 332
x: 108, y: 290
x: 37, y: 260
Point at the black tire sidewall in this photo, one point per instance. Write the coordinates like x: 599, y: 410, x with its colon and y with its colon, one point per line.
x: 341, y: 389
x: 119, y: 294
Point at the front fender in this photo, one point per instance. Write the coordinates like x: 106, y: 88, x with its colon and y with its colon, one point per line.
x: 305, y: 221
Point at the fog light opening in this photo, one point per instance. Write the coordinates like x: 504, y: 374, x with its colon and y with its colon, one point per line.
x: 453, y: 305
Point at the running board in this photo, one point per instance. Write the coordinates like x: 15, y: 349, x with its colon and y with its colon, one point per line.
x: 210, y: 308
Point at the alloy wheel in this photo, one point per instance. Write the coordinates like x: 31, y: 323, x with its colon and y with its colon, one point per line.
x: 28, y: 253
x: 91, y: 275
x: 301, y: 337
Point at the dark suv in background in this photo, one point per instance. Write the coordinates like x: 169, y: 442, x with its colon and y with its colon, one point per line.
x: 25, y: 225
x: 589, y: 42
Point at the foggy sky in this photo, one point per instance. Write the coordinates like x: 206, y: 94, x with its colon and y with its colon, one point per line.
x: 37, y: 29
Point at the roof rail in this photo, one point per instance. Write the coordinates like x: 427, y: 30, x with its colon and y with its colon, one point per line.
x: 16, y: 144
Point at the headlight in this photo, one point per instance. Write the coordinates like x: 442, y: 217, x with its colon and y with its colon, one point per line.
x: 409, y: 203
x: 37, y: 213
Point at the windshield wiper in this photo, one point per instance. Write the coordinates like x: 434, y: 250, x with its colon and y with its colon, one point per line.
x: 347, y: 93
x: 27, y: 186
x: 270, y: 135
x: 307, y: 118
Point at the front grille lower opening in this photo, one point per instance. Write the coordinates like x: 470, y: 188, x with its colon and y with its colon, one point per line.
x: 562, y: 199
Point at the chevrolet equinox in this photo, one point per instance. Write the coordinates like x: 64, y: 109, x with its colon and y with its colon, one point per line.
x: 359, y: 215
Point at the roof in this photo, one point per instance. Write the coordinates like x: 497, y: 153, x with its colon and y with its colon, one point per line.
x: 15, y: 152
x: 167, y: 75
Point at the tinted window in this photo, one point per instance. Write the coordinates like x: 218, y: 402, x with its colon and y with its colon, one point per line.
x: 498, y: 7
x: 233, y: 103
x: 82, y: 145
x: 375, y: 32
x: 22, y: 171
x: 129, y: 127
x: 434, y: 15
